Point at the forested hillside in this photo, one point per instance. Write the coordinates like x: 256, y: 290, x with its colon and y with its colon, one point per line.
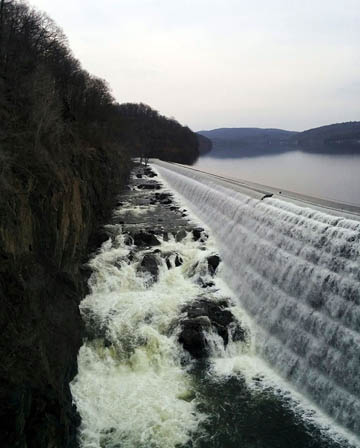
x: 341, y: 137
x: 247, y: 142
x: 147, y: 133
x: 65, y: 150
x: 47, y: 100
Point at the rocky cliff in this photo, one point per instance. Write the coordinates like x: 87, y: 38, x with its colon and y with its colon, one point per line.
x: 50, y: 220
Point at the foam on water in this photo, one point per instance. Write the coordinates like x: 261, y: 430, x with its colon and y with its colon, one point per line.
x: 132, y: 389
x: 296, y: 273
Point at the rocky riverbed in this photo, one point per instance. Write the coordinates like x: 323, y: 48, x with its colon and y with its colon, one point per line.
x: 155, y: 314
x: 167, y: 360
x: 154, y: 216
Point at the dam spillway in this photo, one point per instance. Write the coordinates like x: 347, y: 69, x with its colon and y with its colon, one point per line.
x: 295, y: 270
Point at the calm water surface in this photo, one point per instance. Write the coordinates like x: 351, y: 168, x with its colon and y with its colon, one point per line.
x: 328, y: 176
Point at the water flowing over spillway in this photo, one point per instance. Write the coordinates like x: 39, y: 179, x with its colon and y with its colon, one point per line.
x: 174, y: 358
x: 296, y: 272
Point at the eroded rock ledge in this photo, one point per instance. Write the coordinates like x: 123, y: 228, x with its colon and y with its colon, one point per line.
x: 49, y: 225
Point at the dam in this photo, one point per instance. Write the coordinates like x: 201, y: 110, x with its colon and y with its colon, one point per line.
x: 294, y: 264
x: 280, y: 268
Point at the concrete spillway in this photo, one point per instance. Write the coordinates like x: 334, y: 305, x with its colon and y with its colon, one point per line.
x: 294, y: 265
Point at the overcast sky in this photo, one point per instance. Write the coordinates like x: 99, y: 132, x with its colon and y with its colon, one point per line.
x: 291, y: 64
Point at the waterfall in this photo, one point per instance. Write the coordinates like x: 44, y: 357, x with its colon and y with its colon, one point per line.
x: 296, y: 272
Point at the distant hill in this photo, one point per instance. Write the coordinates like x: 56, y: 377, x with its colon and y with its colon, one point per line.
x: 247, y: 142
x: 340, y: 138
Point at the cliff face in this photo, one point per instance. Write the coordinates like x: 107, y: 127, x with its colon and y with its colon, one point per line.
x: 49, y: 221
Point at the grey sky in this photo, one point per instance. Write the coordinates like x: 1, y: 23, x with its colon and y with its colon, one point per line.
x: 292, y: 64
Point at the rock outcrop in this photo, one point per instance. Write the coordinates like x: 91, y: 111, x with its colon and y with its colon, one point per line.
x: 50, y: 220
x: 204, y: 317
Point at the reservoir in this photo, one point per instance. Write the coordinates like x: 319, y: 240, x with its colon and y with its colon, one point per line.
x: 334, y: 177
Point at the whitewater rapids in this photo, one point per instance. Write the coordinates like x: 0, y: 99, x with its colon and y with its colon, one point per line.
x: 136, y: 386
x: 296, y: 271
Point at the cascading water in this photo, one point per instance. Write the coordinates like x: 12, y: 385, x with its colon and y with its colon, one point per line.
x: 142, y: 381
x: 296, y: 272
x: 133, y: 388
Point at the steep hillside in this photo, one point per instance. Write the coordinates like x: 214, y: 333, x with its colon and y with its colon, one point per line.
x: 50, y: 221
x: 147, y: 133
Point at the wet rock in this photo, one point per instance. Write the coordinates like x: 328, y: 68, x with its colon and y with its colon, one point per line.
x: 131, y: 257
x: 207, y: 284
x: 192, y: 336
x: 163, y: 198
x: 181, y: 234
x: 128, y: 240
x: 148, y: 172
x: 146, y: 239
x: 197, y: 233
x: 149, y: 186
x: 150, y: 264
x: 178, y: 260
x: 213, y: 262
x: 202, y: 317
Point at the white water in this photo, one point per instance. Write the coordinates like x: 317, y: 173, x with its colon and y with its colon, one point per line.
x: 132, y: 389
x: 296, y: 272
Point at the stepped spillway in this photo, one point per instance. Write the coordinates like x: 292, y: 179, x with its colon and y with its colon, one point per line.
x: 296, y: 272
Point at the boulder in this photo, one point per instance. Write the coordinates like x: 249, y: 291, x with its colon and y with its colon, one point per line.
x: 178, y: 261
x: 148, y: 172
x: 206, y: 284
x: 202, y: 317
x: 145, y: 239
x: 149, y: 186
x: 192, y: 336
x: 213, y: 262
x: 197, y: 233
x: 181, y: 234
x: 163, y: 198
x: 150, y: 264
